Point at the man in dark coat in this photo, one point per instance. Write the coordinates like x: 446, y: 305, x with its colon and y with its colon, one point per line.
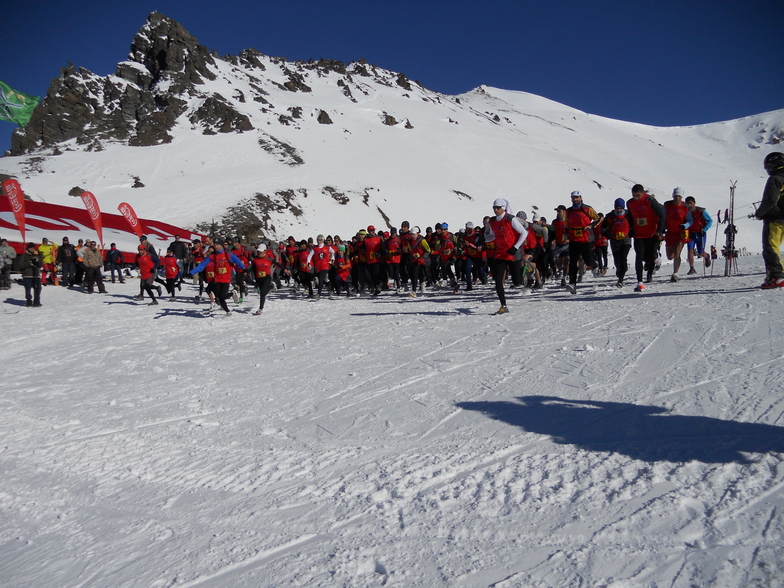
x: 66, y: 257
x: 771, y: 213
x: 30, y: 265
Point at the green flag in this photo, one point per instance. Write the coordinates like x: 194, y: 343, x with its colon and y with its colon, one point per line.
x: 16, y: 106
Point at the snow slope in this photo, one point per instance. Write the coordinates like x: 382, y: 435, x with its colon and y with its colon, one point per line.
x: 604, y: 439
x: 460, y: 154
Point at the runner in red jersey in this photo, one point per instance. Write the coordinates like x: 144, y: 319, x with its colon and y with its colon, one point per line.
x: 322, y: 258
x: 617, y: 228
x: 196, y: 257
x: 262, y: 267
x: 240, y: 276
x: 646, y: 217
x: 560, y: 245
x: 147, y: 270
x: 579, y: 223
x: 600, y: 246
x: 676, y: 230
x: 393, y: 250
x: 304, y: 267
x: 372, y: 247
x: 171, y: 268
x: 405, y: 253
x: 224, y: 261
x: 419, y: 250
x: 507, y: 234
x: 289, y: 254
x: 446, y: 256
x: 342, y: 272
x: 473, y: 243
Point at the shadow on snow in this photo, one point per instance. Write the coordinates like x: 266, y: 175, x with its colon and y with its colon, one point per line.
x: 647, y: 433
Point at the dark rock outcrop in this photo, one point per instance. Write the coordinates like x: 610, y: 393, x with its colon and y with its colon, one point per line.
x: 130, y: 106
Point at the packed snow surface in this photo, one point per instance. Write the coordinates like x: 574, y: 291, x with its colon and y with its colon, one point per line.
x: 603, y: 439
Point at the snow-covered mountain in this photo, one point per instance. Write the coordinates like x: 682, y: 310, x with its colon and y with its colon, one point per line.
x: 264, y: 146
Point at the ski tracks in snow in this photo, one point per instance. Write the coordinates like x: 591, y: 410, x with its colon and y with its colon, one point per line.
x: 431, y: 447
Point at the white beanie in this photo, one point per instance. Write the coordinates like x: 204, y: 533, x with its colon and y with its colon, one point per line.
x: 469, y: 225
x: 502, y: 202
x: 677, y: 192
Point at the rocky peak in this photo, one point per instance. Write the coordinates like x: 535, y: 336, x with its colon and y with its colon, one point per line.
x: 135, y: 105
x: 163, y: 47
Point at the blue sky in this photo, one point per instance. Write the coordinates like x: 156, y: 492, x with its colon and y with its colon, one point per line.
x: 661, y: 63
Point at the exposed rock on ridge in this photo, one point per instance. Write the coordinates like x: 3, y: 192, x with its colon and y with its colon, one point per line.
x: 140, y: 103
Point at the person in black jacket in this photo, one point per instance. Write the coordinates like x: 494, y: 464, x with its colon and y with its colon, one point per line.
x: 66, y: 257
x: 771, y: 213
x: 30, y: 265
x: 115, y: 259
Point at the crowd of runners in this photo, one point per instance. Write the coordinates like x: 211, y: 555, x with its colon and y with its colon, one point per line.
x: 506, y: 248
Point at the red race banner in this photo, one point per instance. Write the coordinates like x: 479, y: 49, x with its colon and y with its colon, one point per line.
x: 130, y: 215
x: 16, y: 197
x: 56, y: 221
x: 91, y: 204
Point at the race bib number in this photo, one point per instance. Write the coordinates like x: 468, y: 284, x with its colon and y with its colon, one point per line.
x: 222, y: 270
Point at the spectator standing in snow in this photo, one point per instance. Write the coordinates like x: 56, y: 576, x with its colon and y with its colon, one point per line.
x: 115, y: 259
x: 93, y: 268
x: 771, y: 213
x: 66, y: 257
x: 30, y: 265
x: 7, y: 256
x: 48, y: 253
x: 79, y: 273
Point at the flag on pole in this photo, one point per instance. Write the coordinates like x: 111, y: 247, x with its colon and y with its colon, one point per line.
x: 15, y: 195
x: 130, y: 215
x: 16, y: 106
x: 91, y: 204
